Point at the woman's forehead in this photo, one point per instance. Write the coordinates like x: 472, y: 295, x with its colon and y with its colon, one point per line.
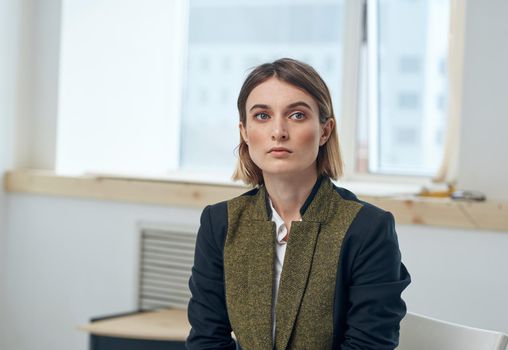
x: 278, y: 93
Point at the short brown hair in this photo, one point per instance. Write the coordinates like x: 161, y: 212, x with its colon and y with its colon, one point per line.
x: 303, y: 76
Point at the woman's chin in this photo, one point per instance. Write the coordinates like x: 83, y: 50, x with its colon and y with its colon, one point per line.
x: 285, y: 171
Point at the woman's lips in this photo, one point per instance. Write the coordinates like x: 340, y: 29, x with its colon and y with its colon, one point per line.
x: 279, y: 152
x: 279, y: 149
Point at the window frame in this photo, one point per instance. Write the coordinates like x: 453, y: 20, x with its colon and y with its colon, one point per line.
x: 359, y: 20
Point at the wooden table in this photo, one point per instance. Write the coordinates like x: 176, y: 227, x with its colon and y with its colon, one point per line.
x: 151, y: 330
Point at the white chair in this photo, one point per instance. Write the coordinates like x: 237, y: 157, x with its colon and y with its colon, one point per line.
x: 419, y: 332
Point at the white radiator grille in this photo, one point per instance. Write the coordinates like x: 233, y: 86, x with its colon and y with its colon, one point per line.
x: 166, y: 260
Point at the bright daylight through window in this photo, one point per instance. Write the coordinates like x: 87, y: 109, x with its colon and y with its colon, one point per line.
x: 155, y: 102
x: 403, y: 87
x: 228, y: 37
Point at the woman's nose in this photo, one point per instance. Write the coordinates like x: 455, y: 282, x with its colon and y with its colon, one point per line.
x: 279, y: 130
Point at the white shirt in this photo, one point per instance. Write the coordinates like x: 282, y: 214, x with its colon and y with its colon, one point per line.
x: 280, y: 251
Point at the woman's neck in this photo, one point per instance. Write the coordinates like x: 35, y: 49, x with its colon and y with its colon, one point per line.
x: 288, y: 194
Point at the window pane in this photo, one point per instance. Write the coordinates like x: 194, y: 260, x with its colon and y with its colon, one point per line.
x: 228, y: 37
x: 119, y: 87
x: 407, y: 98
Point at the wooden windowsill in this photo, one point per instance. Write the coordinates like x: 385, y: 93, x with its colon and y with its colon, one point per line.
x: 442, y: 212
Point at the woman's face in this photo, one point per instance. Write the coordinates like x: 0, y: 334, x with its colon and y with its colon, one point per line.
x: 282, y: 129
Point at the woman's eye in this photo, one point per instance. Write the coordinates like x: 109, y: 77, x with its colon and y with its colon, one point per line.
x: 261, y: 116
x: 298, y: 116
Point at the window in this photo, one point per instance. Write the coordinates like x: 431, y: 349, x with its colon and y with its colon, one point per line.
x: 405, y: 51
x: 120, y: 86
x: 228, y: 37
x: 150, y: 89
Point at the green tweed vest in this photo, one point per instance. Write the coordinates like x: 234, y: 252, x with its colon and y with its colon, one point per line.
x: 304, y: 310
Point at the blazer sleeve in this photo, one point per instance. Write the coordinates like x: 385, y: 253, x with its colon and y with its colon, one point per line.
x: 377, y: 280
x: 207, y: 313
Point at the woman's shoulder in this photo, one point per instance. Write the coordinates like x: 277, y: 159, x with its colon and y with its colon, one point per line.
x: 371, y: 223
x: 219, y: 210
x: 367, y: 210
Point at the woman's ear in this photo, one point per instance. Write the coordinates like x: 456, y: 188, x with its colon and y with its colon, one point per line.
x: 243, y: 132
x: 326, y: 131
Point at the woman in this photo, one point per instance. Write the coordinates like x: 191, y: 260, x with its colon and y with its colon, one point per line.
x: 295, y: 263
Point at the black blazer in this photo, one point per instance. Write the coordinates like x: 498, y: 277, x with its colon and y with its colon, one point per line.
x: 370, y: 278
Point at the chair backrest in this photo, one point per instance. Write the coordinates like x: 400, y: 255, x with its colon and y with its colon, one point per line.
x: 419, y: 332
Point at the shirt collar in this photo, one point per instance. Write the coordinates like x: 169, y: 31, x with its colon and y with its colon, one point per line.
x: 280, y: 226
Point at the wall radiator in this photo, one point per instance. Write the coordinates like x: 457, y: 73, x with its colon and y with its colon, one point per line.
x: 166, y: 258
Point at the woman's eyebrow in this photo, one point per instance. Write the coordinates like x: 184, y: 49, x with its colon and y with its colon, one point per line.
x: 292, y: 105
x: 259, y: 106
x: 298, y: 104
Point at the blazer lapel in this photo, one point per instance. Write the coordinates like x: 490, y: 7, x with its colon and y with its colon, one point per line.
x: 297, y: 265
x: 249, y: 257
x: 298, y: 261
x: 260, y: 282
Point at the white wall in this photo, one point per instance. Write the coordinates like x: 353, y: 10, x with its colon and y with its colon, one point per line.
x: 457, y: 275
x: 483, y: 162
x: 64, y: 260
x: 8, y: 68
